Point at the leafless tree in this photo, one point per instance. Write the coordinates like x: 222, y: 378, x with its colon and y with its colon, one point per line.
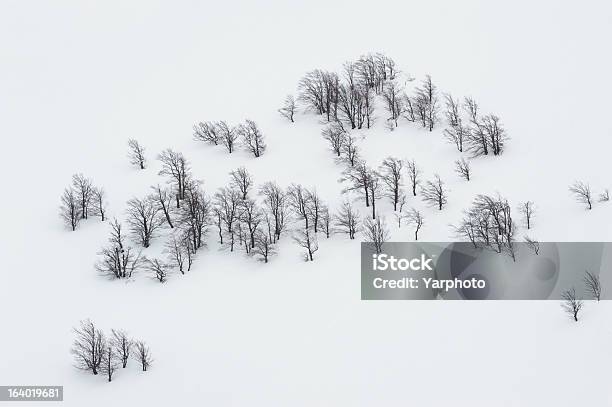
x: 83, y: 188
x: 157, y: 268
x: 376, y: 232
x: 582, y: 193
x: 163, y: 199
x: 241, y: 180
x: 374, y: 189
x: 392, y: 96
x: 289, y: 108
x: 533, y: 244
x: 350, y: 150
x: 298, y: 200
x: 427, y: 103
x: 228, y: 135
x: 347, y: 219
x: 391, y: 175
x: 314, y: 208
x: 207, y: 132
x: 435, y: 193
x: 414, y: 175
x: 452, y: 110
x: 400, y: 215
x: 143, y: 219
x: 98, y: 202
x: 70, y: 209
x: 458, y: 135
x: 410, y: 108
x: 527, y: 209
x: 252, y: 138
x: 227, y: 201
x: 117, y: 260
x: 143, y: 355
x: 593, y: 284
x: 109, y: 362
x: 319, y: 92
x: 136, y: 154
x: 571, y: 304
x: 496, y: 134
x: 176, y: 166
x: 351, y: 106
x: 604, y: 196
x: 336, y: 136
x: 122, y: 345
x: 176, y: 251
x: 463, y: 168
x: 194, y: 216
x: 276, y: 202
x: 415, y: 218
x: 358, y: 179
x: 88, y: 347
x: 264, y: 247
x: 325, y: 221
x: 307, y: 239
x: 251, y: 215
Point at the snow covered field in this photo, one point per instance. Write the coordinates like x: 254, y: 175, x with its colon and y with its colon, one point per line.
x: 78, y: 79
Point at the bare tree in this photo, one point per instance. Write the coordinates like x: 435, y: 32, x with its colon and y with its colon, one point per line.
x: 143, y: 219
x: 88, y: 347
x: 241, y: 180
x: 251, y: 215
x: 325, y: 221
x: 427, y: 103
x: 347, y: 219
x: 496, y: 134
x: 414, y: 175
x: 335, y: 135
x: 582, y: 193
x: 83, y: 188
x: 252, y: 138
x: 358, y: 178
x: 264, y: 247
x: 275, y: 201
x: 452, y: 110
x: 163, y: 198
x: 415, y: 218
x: 228, y: 135
x: 458, y: 135
x: 307, y: 239
x: 207, y: 132
x: 314, y: 207
x: 109, y: 362
x: 604, y: 196
x: 122, y: 344
x: 463, y: 168
x: 374, y: 189
x: 98, y: 198
x: 298, y: 199
x: 533, y: 244
x: 527, y: 209
x: 136, y: 154
x: 391, y: 175
x: 70, y: 209
x: 571, y: 304
x: 593, y: 284
x: 289, y: 108
x: 227, y: 201
x: 392, y: 96
x: 194, y: 216
x: 376, y: 232
x: 434, y: 192
x: 176, y: 251
x: 143, y: 355
x: 158, y: 269
x: 176, y: 166
x: 117, y: 260
x: 350, y: 150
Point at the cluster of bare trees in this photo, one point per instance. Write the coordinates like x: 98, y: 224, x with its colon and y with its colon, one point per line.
x: 81, y: 200
x: 488, y: 224
x: 572, y: 304
x: 471, y: 132
x: 583, y: 194
x: 94, y: 352
x: 221, y: 133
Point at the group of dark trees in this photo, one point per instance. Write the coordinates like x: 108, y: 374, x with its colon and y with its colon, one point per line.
x: 94, y: 352
x: 572, y: 304
x: 582, y: 193
x: 220, y: 133
x: 81, y: 200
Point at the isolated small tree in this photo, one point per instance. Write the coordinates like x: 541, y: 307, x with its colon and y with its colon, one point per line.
x: 83, y: 188
x: 142, y: 354
x: 109, y: 363
x: 335, y: 135
x: 347, y: 219
x: 604, y: 196
x: 527, y: 209
x: 582, y: 193
x: 391, y: 175
x: 242, y: 181
x: 376, y: 232
x: 289, y: 108
x: 88, y: 347
x: 157, y: 268
x: 252, y: 138
x: 463, y: 168
x: 571, y: 304
x: 136, y: 154
x: 533, y: 244
x: 414, y: 175
x: 143, y: 219
x: 175, y: 166
x: 415, y: 218
x: 434, y: 193
x: 99, y: 202
x: 307, y: 239
x: 593, y: 284
x: 207, y: 132
x: 122, y: 345
x: 70, y: 209
x: 228, y: 135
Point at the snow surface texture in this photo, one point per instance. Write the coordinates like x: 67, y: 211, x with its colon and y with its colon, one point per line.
x: 78, y: 79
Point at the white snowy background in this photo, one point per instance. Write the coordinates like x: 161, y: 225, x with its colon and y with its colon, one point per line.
x: 79, y: 78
